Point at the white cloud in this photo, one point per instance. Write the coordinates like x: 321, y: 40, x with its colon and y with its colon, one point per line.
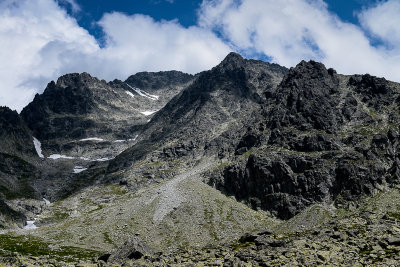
x: 383, y: 22
x: 33, y: 35
x: 291, y: 30
x: 39, y: 42
x: 74, y: 5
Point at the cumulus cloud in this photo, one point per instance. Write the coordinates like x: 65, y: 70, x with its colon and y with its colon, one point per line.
x: 73, y: 4
x: 383, y: 22
x: 33, y: 36
x: 291, y: 30
x: 39, y: 42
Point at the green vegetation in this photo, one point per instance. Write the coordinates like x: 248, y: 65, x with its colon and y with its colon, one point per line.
x: 239, y: 246
x: 34, y: 246
x: 107, y: 239
x: 209, y: 215
x: 116, y: 190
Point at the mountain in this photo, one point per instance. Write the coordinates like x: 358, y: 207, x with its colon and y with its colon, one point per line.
x: 319, y: 123
x: 206, y: 117
x: 248, y: 163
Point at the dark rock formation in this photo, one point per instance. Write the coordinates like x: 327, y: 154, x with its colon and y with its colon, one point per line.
x: 133, y: 249
x: 159, y: 81
x: 15, y: 137
x: 322, y: 146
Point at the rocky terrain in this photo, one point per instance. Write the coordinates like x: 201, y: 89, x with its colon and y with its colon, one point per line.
x: 246, y: 164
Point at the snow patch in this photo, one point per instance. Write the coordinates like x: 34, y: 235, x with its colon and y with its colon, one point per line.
x: 133, y: 139
x: 30, y: 225
x: 79, y: 169
x: 129, y: 93
x: 119, y: 141
x: 143, y: 93
x: 47, y: 201
x: 102, y: 159
x: 58, y: 156
x: 38, y: 147
x: 148, y: 112
x: 92, y: 139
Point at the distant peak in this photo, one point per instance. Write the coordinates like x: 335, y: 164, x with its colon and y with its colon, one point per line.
x: 232, y: 61
x: 233, y: 56
x: 75, y: 78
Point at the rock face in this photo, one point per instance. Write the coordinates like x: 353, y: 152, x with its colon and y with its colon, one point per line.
x: 17, y: 166
x: 319, y: 124
x: 133, y: 249
x: 15, y: 137
x: 10, y: 217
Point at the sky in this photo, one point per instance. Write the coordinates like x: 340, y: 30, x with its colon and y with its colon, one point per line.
x: 41, y: 40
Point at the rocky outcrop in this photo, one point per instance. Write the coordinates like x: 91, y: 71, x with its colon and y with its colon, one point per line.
x: 133, y: 249
x: 322, y: 145
x: 159, y: 81
x: 9, y: 217
x: 15, y: 137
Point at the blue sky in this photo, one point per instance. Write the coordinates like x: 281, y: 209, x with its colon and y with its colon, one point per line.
x: 185, y: 11
x: 41, y: 40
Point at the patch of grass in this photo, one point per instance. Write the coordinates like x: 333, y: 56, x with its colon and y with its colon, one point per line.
x: 34, y: 246
x: 208, y: 215
x: 57, y: 216
x: 365, y: 251
x: 99, y: 207
x: 107, y: 239
x: 240, y: 246
x: 394, y: 215
x: 117, y: 190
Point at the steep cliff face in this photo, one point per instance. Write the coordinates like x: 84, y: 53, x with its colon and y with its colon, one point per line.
x: 330, y: 138
x: 15, y: 137
x: 17, y: 165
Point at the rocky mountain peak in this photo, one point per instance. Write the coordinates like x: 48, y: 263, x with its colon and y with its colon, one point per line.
x: 307, y: 97
x: 231, y: 62
x: 311, y: 78
x: 15, y: 138
x: 8, y: 118
x: 76, y: 80
x: 153, y: 81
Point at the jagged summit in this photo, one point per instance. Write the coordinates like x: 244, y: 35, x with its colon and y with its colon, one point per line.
x: 15, y: 135
x: 153, y: 81
x: 231, y: 61
x: 76, y: 80
x: 308, y: 97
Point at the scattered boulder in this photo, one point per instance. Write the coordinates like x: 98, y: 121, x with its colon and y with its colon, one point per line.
x: 133, y: 249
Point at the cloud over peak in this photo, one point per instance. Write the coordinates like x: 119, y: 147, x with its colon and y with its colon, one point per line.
x: 39, y: 41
